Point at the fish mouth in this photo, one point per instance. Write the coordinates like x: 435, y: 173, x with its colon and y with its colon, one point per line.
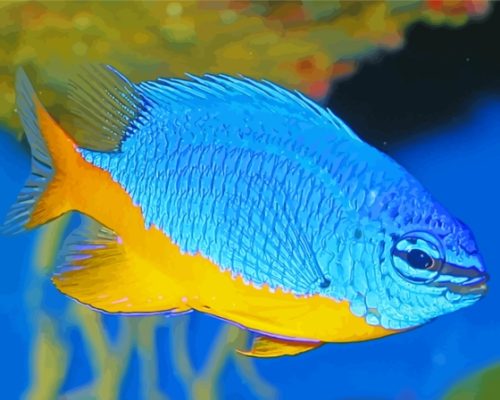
x: 474, y: 285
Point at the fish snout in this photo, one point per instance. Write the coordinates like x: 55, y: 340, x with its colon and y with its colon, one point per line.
x: 476, y: 286
x: 465, y: 280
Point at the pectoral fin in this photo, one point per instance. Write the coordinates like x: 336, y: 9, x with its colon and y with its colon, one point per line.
x: 266, y: 346
x: 97, y: 270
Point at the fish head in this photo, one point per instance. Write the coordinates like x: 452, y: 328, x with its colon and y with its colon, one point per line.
x: 434, y: 269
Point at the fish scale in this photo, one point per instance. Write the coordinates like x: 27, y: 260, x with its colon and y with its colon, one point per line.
x: 220, y: 162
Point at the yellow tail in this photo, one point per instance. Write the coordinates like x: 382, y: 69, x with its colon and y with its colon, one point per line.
x: 45, y: 195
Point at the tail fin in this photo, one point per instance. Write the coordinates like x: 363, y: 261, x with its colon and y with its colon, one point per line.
x: 41, y: 199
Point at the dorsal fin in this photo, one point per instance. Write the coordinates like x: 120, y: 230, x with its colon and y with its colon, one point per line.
x: 107, y: 105
x: 250, y: 93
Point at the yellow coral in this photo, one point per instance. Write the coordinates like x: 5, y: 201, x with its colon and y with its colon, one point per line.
x: 259, y: 39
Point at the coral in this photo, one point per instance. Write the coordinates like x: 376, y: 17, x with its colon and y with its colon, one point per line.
x: 484, y: 384
x: 304, y: 45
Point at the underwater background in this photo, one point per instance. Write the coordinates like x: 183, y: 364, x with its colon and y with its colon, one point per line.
x: 420, y: 80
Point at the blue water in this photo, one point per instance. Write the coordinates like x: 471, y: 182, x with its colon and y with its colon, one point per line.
x: 458, y: 163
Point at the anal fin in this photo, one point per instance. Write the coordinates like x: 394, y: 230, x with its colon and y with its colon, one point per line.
x: 266, y: 347
x: 97, y: 270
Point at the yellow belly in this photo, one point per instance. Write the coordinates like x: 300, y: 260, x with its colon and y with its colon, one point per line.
x: 276, y: 312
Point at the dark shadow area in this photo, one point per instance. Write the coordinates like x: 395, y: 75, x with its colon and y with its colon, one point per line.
x: 431, y: 81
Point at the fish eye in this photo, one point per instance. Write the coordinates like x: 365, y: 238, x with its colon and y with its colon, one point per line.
x: 418, y: 257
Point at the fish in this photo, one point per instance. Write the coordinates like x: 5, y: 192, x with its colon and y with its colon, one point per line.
x: 243, y: 200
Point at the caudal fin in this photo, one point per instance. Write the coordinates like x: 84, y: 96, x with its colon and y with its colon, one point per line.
x: 41, y: 199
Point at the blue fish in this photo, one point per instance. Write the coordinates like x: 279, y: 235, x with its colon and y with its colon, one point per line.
x: 243, y: 200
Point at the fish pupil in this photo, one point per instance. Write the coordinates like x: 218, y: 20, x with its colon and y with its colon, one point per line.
x: 419, y: 259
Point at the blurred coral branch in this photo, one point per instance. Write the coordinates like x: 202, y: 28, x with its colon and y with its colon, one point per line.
x: 300, y: 44
x: 48, y: 347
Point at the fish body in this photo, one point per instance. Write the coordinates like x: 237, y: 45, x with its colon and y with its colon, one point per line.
x: 246, y: 201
